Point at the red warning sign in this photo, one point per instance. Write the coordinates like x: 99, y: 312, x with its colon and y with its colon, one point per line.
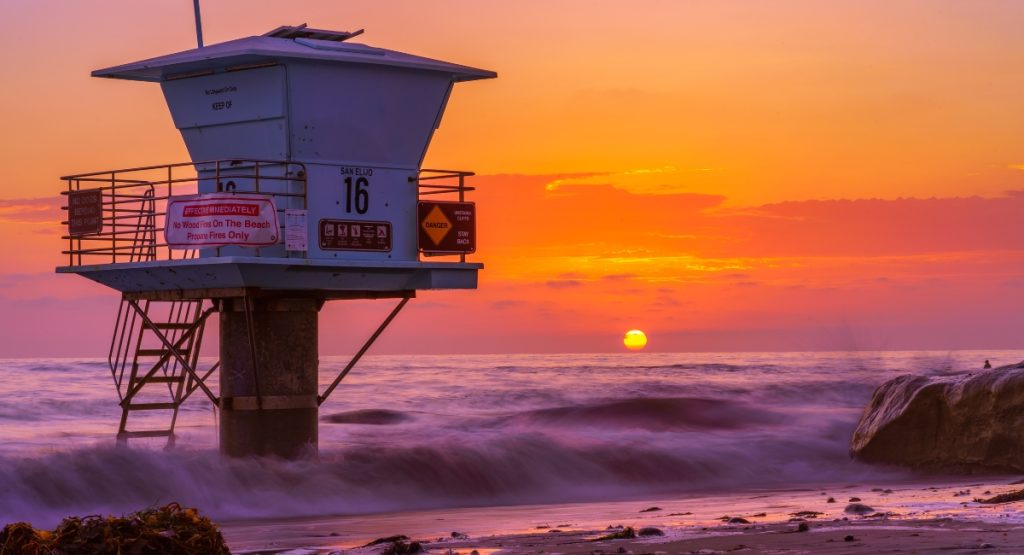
x: 85, y: 212
x: 217, y: 220
x: 447, y: 227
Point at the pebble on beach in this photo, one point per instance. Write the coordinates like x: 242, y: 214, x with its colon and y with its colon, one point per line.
x: 858, y: 509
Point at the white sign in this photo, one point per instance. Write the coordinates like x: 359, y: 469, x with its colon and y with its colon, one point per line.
x: 295, y: 230
x: 234, y: 96
x: 219, y: 220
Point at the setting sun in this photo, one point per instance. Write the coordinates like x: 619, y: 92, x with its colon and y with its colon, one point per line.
x: 635, y: 340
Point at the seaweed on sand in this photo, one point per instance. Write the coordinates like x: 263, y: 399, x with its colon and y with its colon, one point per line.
x: 627, y: 533
x: 168, y: 530
x: 1008, y: 497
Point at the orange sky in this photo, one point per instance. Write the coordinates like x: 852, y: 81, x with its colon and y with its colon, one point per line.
x: 725, y: 176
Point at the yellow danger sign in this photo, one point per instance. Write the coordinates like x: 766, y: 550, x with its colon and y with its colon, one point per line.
x: 436, y: 225
x: 446, y: 227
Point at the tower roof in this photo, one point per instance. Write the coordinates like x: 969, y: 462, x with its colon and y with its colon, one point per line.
x: 279, y: 45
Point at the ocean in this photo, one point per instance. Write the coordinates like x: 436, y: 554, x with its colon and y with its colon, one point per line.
x: 406, y: 433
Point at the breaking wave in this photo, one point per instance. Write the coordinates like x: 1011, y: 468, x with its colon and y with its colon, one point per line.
x: 496, y: 431
x: 658, y: 413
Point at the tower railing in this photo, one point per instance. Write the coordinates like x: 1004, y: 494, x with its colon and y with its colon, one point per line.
x: 444, y: 182
x: 133, y: 203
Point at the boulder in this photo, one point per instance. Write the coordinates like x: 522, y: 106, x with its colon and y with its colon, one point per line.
x: 964, y: 423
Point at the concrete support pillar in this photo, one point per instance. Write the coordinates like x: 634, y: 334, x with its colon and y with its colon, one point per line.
x: 268, y: 406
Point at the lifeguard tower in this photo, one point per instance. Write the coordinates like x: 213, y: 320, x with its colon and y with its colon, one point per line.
x: 305, y: 185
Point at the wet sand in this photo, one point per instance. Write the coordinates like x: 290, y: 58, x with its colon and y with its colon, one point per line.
x: 937, y: 516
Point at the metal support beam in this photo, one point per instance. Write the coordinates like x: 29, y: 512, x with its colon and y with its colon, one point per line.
x: 366, y: 346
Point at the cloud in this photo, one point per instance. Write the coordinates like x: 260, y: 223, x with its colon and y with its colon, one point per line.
x: 564, y: 284
x: 32, y: 210
x: 870, y: 227
x: 665, y: 180
x: 504, y: 304
x: 618, y: 277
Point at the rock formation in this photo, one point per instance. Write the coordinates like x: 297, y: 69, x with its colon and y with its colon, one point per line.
x: 968, y: 422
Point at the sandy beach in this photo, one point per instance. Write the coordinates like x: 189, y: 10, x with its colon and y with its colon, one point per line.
x: 928, y: 516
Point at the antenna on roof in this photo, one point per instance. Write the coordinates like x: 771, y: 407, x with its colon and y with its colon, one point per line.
x: 199, y: 23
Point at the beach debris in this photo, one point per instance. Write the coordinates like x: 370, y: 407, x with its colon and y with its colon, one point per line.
x: 854, y: 499
x: 806, y: 514
x: 650, y: 531
x: 402, y: 548
x: 627, y: 533
x: 849, y: 539
x: 21, y: 537
x: 803, y: 527
x: 1008, y: 497
x: 680, y: 514
x: 542, y: 527
x: 831, y: 500
x: 170, y: 530
x: 858, y: 509
x: 389, y: 539
x: 738, y: 520
x: 758, y: 515
x: 651, y: 509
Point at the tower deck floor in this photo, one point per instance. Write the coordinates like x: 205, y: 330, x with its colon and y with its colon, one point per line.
x: 226, y: 276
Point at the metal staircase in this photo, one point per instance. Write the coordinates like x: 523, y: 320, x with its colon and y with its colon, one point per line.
x: 153, y: 358
x: 154, y: 352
